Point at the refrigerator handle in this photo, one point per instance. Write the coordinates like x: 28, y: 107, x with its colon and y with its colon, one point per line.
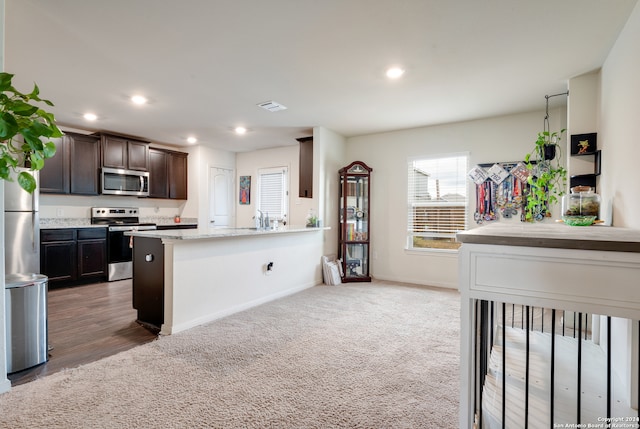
x: 33, y: 232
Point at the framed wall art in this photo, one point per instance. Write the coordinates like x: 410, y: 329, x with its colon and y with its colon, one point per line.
x: 583, y: 144
x: 245, y: 190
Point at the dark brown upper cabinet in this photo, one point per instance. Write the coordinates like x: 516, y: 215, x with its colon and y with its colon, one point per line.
x: 167, y: 174
x: 54, y: 176
x: 178, y: 175
x: 158, y: 172
x: 305, y: 182
x: 125, y: 153
x: 74, y: 169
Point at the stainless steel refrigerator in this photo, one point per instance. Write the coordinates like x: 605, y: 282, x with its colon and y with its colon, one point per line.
x: 21, y: 228
x: 25, y: 291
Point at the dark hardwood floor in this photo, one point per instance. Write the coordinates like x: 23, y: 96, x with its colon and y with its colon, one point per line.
x: 87, y: 323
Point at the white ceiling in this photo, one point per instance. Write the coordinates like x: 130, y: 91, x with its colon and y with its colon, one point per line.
x: 206, y: 64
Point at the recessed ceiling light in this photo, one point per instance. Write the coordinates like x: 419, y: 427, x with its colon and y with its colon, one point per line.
x: 394, y: 72
x: 191, y: 140
x: 138, y: 99
x: 240, y: 130
x: 90, y: 116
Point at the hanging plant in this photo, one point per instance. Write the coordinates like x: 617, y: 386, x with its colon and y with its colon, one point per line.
x: 547, y: 177
x: 24, y: 130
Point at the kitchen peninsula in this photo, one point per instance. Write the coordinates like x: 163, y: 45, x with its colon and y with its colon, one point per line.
x: 184, y: 278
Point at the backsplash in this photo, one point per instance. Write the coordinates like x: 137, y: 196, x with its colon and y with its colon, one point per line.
x: 71, y: 222
x: 163, y: 220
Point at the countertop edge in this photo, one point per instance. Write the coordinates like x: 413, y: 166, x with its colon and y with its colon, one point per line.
x: 212, y: 233
x: 599, y: 238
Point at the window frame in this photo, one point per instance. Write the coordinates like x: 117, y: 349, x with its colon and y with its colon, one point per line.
x: 411, y: 203
x: 285, y: 191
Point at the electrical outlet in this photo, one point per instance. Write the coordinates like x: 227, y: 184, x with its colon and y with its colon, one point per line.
x: 269, y: 269
x: 60, y: 212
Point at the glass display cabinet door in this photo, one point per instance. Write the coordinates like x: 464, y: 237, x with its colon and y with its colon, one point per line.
x: 355, y: 220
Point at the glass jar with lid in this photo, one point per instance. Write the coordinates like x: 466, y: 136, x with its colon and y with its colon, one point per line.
x: 581, y: 206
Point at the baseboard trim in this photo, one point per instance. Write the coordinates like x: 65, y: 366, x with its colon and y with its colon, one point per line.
x: 421, y: 282
x: 5, y: 386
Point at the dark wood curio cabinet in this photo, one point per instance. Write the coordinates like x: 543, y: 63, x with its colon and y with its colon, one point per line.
x: 355, y: 221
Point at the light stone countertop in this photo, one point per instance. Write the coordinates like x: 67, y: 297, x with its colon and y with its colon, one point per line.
x: 60, y: 222
x: 555, y: 235
x: 213, y: 233
x: 79, y: 222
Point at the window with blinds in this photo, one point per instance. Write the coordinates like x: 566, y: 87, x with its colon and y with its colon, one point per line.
x: 273, y: 191
x: 437, y: 201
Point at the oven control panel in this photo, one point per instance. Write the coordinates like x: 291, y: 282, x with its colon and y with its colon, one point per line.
x: 115, y: 215
x: 114, y: 212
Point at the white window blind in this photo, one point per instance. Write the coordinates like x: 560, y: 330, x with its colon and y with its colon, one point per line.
x: 273, y: 191
x: 437, y: 201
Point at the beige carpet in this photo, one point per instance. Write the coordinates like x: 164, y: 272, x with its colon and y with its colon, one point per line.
x: 374, y: 355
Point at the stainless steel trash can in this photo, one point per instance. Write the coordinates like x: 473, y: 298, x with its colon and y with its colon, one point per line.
x: 26, y: 320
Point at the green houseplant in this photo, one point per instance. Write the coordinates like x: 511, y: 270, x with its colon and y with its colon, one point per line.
x: 547, y: 176
x: 24, y: 130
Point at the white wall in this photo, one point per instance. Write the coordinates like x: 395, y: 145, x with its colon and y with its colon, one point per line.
x: 619, y: 124
x: 79, y: 206
x: 248, y: 164
x: 506, y: 138
x: 617, y: 136
x: 4, y: 382
x: 582, y: 112
x: 329, y: 156
x: 201, y: 159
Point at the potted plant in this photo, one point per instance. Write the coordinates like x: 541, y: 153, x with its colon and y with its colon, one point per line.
x: 24, y: 130
x: 547, y: 176
x: 312, y: 221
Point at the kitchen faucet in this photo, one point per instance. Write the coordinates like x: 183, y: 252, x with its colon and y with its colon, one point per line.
x: 262, y: 220
x: 259, y: 220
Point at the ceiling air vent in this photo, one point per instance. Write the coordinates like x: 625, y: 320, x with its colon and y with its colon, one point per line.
x: 272, y: 106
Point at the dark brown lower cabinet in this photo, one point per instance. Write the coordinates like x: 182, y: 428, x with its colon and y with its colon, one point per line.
x: 92, y: 253
x: 73, y: 256
x: 148, y: 280
x: 177, y: 226
x: 57, y: 251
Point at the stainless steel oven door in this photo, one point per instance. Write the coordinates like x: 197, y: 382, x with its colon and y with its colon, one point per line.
x: 120, y: 252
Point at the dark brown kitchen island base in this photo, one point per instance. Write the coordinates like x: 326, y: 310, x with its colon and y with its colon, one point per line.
x: 148, y: 280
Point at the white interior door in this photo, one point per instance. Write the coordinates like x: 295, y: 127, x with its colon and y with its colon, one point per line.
x: 220, y: 197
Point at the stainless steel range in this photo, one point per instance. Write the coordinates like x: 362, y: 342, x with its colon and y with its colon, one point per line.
x: 119, y: 247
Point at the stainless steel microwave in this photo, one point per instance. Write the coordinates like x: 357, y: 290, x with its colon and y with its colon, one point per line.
x: 125, y: 182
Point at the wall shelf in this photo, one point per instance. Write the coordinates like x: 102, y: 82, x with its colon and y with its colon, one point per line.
x: 588, y: 179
